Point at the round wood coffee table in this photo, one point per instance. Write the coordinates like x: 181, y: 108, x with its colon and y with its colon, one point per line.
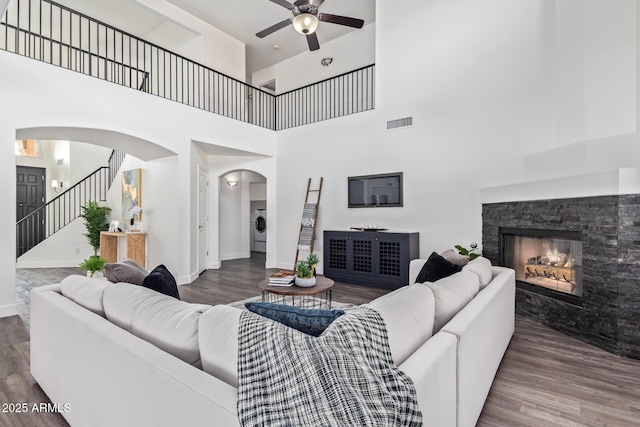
x: 317, y: 296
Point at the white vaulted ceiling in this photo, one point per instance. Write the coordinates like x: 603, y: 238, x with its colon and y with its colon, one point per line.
x: 241, y: 19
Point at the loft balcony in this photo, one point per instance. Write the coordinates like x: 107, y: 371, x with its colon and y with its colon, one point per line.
x: 52, y: 33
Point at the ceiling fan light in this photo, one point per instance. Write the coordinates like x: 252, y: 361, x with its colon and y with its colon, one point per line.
x: 305, y: 23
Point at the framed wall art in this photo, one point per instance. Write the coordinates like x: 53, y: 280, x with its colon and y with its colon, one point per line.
x: 131, y: 192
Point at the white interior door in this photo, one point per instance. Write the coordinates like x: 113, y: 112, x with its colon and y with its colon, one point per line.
x: 203, y: 219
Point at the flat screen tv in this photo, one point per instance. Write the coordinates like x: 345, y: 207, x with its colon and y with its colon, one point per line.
x: 373, y: 191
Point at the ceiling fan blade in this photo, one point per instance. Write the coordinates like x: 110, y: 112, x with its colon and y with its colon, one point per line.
x: 341, y: 20
x: 283, y: 3
x: 315, y: 3
x: 273, y: 28
x: 312, y: 40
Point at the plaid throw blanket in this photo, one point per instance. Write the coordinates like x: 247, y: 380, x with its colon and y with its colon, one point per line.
x: 344, y: 377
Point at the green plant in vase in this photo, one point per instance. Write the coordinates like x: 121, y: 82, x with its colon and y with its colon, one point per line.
x: 92, y: 264
x: 471, y: 253
x: 95, y: 221
x: 305, y: 271
x: 313, y: 260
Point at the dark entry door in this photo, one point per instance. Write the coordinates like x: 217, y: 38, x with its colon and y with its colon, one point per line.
x: 30, y: 197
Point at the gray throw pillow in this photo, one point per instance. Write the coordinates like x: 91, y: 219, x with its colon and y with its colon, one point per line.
x: 121, y: 272
x: 133, y: 263
x: 455, y: 258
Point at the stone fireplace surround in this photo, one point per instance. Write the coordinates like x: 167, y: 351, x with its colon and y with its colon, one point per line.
x: 609, y: 316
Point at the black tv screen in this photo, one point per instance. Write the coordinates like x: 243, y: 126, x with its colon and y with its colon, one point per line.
x: 371, y: 191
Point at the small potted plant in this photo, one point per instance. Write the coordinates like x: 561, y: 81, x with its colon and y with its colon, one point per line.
x: 471, y: 253
x: 305, y: 271
x: 94, y: 265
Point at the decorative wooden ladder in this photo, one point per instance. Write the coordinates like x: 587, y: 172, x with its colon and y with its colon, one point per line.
x: 307, y: 235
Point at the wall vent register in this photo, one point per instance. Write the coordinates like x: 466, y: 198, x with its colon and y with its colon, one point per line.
x: 400, y: 123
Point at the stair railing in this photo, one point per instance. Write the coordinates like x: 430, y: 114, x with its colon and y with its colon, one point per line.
x: 63, y: 209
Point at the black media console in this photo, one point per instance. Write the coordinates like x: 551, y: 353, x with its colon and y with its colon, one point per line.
x: 378, y: 259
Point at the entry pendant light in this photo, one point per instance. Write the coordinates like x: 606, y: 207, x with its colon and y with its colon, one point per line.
x: 305, y: 23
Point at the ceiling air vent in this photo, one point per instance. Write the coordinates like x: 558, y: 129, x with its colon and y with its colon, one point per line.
x: 400, y: 123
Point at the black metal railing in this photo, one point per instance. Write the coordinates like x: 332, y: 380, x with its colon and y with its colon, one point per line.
x: 53, y: 33
x: 115, y: 161
x: 59, y: 212
x: 346, y: 94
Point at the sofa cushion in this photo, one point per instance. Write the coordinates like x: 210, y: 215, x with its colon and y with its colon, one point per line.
x: 122, y: 272
x: 454, y: 257
x: 482, y: 267
x: 218, y: 338
x: 452, y: 294
x: 161, y: 280
x: 436, y: 268
x: 161, y: 320
x: 408, y: 314
x: 85, y: 291
x: 309, y: 321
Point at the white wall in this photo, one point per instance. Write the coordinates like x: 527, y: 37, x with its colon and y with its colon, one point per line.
x: 159, y: 209
x: 212, y: 48
x: 595, y: 69
x: 233, y: 238
x: 478, y: 85
x: 354, y: 50
x: 3, y: 6
x: 84, y: 159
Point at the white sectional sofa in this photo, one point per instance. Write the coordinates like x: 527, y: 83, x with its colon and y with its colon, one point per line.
x: 120, y: 354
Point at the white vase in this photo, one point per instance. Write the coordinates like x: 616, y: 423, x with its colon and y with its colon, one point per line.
x: 95, y: 275
x: 305, y: 282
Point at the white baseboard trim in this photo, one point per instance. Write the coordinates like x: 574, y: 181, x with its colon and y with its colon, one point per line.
x: 47, y: 264
x: 235, y: 256
x: 280, y: 265
x: 186, y: 280
x: 8, y: 310
x: 285, y: 266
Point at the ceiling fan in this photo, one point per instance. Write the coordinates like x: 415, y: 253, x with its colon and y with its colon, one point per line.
x: 306, y: 18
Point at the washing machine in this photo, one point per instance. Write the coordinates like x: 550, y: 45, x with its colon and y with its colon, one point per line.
x: 260, y: 231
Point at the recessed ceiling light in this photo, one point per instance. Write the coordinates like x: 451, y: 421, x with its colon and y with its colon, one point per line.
x: 276, y: 47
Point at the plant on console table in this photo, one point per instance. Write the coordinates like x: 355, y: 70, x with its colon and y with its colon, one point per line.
x: 306, y: 271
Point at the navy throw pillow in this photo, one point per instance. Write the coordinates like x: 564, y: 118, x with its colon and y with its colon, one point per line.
x: 161, y: 280
x: 436, y: 268
x: 311, y: 322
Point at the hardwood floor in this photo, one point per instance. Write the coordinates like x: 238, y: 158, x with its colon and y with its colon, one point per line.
x: 545, y: 379
x: 549, y: 379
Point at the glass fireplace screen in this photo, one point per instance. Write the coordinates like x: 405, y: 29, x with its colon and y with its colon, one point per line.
x: 550, y: 262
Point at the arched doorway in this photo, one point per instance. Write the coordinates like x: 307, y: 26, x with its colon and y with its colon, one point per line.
x: 243, y: 216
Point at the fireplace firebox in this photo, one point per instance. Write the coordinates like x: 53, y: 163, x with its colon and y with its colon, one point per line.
x: 548, y: 262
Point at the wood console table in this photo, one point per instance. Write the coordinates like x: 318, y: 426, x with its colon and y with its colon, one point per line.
x: 136, y: 246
